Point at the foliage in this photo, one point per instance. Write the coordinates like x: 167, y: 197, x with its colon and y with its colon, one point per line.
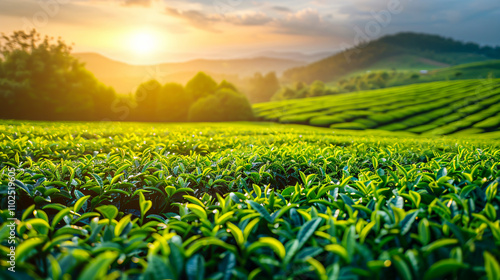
x: 276, y: 202
x: 147, y: 97
x: 301, y: 90
x: 377, y: 79
x: 200, y: 86
x: 39, y: 79
x: 201, y: 100
x: 173, y: 104
x: 226, y: 85
x: 263, y: 87
x: 437, y: 108
x: 224, y: 105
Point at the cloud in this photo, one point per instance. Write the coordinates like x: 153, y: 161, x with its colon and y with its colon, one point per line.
x: 281, y: 9
x: 307, y: 22
x: 251, y: 18
x: 195, y: 19
x: 315, y: 21
x: 208, y: 22
x: 145, y: 3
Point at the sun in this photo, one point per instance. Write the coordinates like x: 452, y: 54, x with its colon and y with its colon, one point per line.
x: 143, y: 43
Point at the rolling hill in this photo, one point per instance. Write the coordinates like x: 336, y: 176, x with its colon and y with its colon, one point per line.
x: 124, y: 78
x: 403, y: 51
x: 375, y: 79
x: 474, y: 70
x: 437, y: 108
x: 296, y: 56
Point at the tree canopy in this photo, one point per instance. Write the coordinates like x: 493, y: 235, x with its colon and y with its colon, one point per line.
x: 174, y: 103
x: 263, y: 87
x: 147, y: 97
x: 201, y: 100
x: 201, y: 85
x: 225, y: 105
x: 39, y: 79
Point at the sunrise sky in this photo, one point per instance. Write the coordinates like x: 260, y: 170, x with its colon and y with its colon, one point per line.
x: 153, y: 31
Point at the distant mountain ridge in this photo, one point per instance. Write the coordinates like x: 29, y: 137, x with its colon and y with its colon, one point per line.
x: 125, y: 77
x: 309, y: 58
x: 431, y: 48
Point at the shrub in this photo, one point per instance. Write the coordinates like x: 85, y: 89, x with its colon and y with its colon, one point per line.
x: 394, y: 127
x: 300, y: 118
x: 351, y: 125
x: 200, y: 86
x: 226, y: 84
x: 224, y: 105
x: 147, y: 99
x: 173, y: 103
x: 489, y: 123
x: 262, y: 88
x: 326, y: 120
x: 366, y: 122
x: 285, y: 93
x: 422, y: 128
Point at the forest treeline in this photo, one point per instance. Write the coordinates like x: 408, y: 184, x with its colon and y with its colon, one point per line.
x: 40, y: 80
x: 202, y: 99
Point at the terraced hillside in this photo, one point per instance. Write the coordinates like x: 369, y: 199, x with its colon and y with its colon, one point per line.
x: 437, y: 108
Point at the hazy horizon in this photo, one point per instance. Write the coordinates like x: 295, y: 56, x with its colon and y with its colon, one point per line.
x: 188, y: 57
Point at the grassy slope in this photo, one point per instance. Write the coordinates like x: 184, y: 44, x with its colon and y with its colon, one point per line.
x: 446, y: 107
x: 408, y: 65
x: 416, y: 63
x: 473, y: 70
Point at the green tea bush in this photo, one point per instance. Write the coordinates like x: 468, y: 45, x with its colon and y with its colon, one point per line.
x: 246, y: 201
x: 491, y: 122
x: 300, y: 118
x: 416, y: 108
x: 326, y: 120
x: 366, y: 122
x: 394, y: 127
x: 349, y: 125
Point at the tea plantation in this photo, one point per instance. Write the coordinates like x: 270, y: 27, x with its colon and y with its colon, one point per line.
x: 437, y: 108
x: 252, y: 201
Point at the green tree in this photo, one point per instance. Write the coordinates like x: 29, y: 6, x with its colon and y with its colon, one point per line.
x: 316, y: 89
x: 226, y: 84
x: 173, y: 103
x: 147, y: 100
x: 301, y: 89
x: 263, y: 87
x: 285, y: 93
x: 39, y: 79
x: 200, y: 86
x: 224, y: 105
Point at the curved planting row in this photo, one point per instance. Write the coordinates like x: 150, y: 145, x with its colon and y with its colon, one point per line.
x: 433, y: 108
